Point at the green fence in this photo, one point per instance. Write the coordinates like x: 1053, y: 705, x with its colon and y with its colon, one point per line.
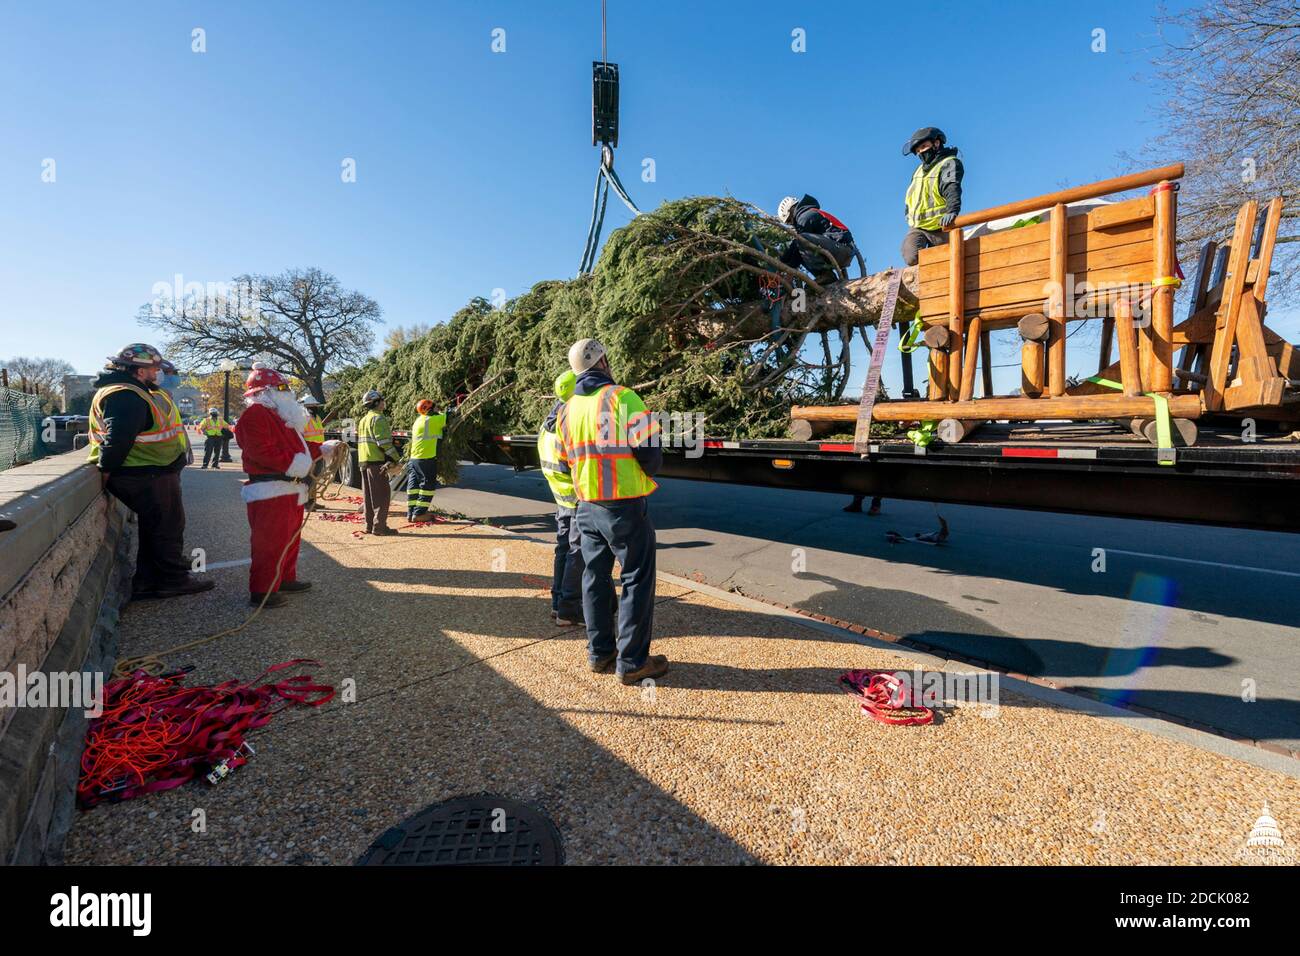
x: 20, y: 428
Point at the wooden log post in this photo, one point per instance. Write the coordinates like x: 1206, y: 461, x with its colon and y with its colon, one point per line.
x: 1162, y: 296
x: 1130, y: 369
x: 1058, y: 254
x: 967, y: 390
x: 956, y: 312
x: 936, y: 340
x: 986, y: 362
x: 1076, y: 407
x: 1034, y: 329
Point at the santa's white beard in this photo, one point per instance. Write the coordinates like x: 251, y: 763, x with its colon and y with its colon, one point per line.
x: 284, y: 405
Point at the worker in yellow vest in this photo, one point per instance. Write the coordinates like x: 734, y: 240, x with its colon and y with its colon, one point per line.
x: 137, y: 443
x: 376, y: 453
x: 933, y: 198
x: 566, y: 575
x: 314, y: 430
x: 422, y: 465
x: 611, y: 444
x: 214, y: 428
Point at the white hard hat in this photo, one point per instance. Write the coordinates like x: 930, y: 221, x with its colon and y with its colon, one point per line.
x: 784, y: 209
x: 212, y: 411
x: 308, y: 399
x: 584, y: 354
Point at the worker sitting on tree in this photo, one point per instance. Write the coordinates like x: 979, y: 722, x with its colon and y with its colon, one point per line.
x: 822, y: 245
x: 611, y: 445
x: 314, y: 430
x: 376, y: 452
x: 933, y: 199
x: 137, y: 444
x: 566, y: 577
x: 214, y: 428
x: 422, y: 468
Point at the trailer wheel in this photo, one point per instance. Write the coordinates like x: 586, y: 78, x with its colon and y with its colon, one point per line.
x: 351, y: 471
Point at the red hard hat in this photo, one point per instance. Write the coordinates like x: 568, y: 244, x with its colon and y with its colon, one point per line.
x: 263, y: 377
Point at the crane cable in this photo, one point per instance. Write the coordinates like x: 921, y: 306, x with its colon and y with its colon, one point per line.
x: 605, y: 177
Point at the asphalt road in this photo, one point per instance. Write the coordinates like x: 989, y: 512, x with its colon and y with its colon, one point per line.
x: 1183, y: 619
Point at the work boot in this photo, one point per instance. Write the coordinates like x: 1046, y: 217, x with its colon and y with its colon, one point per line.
x: 656, y: 665
x: 275, y: 599
x: 601, y: 664
x: 422, y: 519
x: 565, y: 620
x: 191, y: 585
x: 291, y: 586
x: 384, y: 530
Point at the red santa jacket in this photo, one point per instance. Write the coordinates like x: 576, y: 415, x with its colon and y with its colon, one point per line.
x: 269, y: 446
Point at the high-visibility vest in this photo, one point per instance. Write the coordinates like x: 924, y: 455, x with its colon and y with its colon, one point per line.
x: 212, y: 426
x: 597, y: 434
x: 925, y: 204
x: 556, y: 470
x: 425, y: 432
x: 374, y: 437
x: 159, y: 445
x: 314, y: 430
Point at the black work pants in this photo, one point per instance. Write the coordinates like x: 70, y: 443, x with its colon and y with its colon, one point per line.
x: 156, y: 500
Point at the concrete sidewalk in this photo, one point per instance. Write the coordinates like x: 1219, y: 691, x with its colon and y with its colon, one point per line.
x: 745, y: 752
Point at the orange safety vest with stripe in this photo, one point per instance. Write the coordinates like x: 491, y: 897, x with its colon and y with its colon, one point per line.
x: 158, y: 445
x: 597, y: 433
x: 314, y: 430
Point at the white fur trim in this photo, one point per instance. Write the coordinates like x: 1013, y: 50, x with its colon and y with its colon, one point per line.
x: 264, y: 490
x: 300, y: 465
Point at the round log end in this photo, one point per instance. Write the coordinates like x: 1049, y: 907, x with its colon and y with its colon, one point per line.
x: 937, y: 337
x: 1034, y: 328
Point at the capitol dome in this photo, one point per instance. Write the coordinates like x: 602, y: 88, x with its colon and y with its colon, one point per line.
x: 1265, y: 832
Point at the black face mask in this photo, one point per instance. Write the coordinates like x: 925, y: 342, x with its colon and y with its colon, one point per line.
x: 927, y: 155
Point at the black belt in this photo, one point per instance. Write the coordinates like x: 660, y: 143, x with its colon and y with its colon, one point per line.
x: 253, y: 479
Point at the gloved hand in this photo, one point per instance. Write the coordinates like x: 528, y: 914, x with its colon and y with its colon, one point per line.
x: 947, y: 220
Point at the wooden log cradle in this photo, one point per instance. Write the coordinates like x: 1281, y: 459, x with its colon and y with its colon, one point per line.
x: 1115, y: 263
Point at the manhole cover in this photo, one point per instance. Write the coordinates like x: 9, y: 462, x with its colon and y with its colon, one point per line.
x: 485, y: 830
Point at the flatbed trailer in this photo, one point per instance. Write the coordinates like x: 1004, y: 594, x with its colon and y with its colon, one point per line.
x: 1082, y: 468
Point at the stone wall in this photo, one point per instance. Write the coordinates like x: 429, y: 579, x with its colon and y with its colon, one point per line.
x: 65, y: 567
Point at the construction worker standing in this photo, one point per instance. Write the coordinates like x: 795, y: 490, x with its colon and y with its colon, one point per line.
x: 214, y: 427
x: 611, y: 445
x: 821, y: 244
x: 314, y: 430
x: 566, y: 577
x: 422, y: 468
x: 933, y: 198
x: 376, y: 452
x: 138, y: 445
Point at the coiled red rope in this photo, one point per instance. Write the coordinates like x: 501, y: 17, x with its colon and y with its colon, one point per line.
x: 885, y: 698
x: 156, y: 734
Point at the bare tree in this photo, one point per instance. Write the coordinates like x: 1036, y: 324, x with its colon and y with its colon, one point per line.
x: 40, y: 376
x: 300, y: 321
x: 1230, y: 70
x: 401, y: 335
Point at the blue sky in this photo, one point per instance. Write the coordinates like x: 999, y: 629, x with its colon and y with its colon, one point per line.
x: 474, y: 168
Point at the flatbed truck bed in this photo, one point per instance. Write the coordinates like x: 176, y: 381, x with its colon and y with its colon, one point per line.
x: 1083, y: 468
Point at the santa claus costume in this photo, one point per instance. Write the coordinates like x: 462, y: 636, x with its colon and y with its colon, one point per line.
x: 274, y: 452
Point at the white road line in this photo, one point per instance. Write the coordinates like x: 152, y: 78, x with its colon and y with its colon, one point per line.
x: 229, y: 564
x: 1212, y: 564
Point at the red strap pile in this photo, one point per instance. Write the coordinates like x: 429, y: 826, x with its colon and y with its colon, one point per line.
x: 156, y: 734
x: 885, y: 698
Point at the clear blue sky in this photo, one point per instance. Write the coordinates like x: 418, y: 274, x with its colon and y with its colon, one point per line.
x: 474, y: 169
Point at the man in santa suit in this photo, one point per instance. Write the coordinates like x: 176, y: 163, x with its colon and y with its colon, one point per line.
x: 269, y: 433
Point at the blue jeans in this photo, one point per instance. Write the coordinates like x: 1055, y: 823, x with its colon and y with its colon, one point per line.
x: 622, y: 530
x: 566, y: 578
